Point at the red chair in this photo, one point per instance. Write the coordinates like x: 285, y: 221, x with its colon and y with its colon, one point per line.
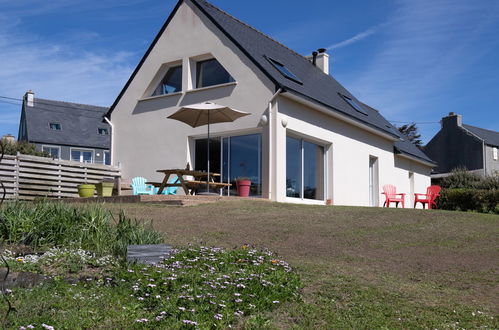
x: 432, y: 192
x: 390, y: 192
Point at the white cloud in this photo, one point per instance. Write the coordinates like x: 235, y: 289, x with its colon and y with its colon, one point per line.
x: 428, y: 44
x: 356, y: 38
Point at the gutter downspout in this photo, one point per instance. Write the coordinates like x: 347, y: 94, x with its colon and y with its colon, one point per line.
x: 272, y: 118
x: 112, y: 139
x: 484, y: 153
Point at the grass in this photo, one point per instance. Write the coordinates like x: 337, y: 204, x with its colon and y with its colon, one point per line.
x: 194, y: 288
x: 45, y: 225
x: 361, y: 267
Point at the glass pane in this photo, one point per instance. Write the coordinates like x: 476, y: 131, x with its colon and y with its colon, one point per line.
x: 75, y: 155
x: 201, y: 159
x: 245, y: 162
x: 87, y: 156
x: 293, y: 167
x: 210, y: 73
x: 107, y: 158
x: 313, y: 171
x: 172, y: 82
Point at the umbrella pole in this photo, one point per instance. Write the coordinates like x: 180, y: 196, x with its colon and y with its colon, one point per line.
x: 208, y: 180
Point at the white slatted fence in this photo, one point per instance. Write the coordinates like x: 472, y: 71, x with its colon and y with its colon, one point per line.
x: 28, y: 177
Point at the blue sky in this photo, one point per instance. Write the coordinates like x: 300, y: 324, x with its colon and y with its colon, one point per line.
x: 413, y: 60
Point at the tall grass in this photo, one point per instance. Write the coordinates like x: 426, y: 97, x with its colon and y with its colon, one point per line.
x: 46, y: 224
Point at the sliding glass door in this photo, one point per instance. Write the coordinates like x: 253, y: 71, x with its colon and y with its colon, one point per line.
x: 233, y: 157
x: 304, y: 169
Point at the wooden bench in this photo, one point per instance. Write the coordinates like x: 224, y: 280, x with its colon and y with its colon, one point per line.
x: 192, y: 184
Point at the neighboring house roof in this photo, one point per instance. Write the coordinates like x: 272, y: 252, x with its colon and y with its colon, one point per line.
x: 79, y: 124
x: 490, y: 137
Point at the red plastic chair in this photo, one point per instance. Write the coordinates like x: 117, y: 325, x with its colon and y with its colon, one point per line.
x: 432, y: 192
x: 390, y: 192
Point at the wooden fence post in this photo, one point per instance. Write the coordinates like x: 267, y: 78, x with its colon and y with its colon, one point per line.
x: 16, y: 176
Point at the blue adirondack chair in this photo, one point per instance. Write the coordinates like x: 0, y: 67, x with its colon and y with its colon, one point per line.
x: 140, y: 187
x: 170, y: 190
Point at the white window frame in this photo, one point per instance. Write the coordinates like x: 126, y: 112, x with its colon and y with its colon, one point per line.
x: 325, y: 148
x: 494, y: 153
x: 105, y: 155
x: 52, y: 146
x: 81, y: 156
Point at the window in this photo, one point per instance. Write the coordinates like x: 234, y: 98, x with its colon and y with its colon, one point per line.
x: 171, y: 83
x: 81, y: 155
x: 354, y: 104
x: 103, y: 131
x: 284, y: 71
x: 304, y: 169
x: 54, y: 152
x: 55, y: 126
x: 233, y: 157
x: 107, y: 158
x: 210, y: 73
x: 494, y: 153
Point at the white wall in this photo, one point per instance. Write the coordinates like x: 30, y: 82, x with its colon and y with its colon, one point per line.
x: 348, y: 152
x: 145, y: 140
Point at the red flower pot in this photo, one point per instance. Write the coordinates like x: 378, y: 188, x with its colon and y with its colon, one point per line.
x: 243, y: 188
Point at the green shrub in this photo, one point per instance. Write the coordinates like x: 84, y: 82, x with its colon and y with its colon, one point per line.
x: 460, y: 199
x: 462, y: 178
x: 45, y: 224
x: 23, y: 147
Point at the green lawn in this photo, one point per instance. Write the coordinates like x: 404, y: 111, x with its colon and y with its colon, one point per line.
x: 361, y: 267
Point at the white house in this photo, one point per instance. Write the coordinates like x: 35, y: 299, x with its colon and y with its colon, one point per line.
x: 307, y: 140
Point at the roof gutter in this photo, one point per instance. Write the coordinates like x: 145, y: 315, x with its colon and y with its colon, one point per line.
x: 112, y: 139
x: 327, y: 111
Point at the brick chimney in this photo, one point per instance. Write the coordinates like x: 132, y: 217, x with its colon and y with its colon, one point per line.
x: 320, y: 59
x: 29, y: 98
x: 452, y: 120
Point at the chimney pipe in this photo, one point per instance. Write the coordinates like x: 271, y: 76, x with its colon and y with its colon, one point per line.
x: 29, y: 98
x: 314, y: 58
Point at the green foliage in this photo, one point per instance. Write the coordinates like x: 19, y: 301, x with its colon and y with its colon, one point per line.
x: 461, y: 178
x: 411, y: 132
x: 465, y: 199
x: 44, y: 225
x: 23, y: 147
x: 202, y: 288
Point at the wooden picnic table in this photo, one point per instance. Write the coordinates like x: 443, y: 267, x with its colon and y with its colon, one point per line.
x: 189, y: 186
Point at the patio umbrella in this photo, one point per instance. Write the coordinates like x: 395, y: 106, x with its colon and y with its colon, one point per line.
x: 207, y: 113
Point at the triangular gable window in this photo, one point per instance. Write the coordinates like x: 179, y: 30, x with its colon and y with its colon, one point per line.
x: 171, y: 83
x: 210, y: 73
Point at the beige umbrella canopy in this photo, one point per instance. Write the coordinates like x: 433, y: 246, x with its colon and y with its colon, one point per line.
x: 207, y: 113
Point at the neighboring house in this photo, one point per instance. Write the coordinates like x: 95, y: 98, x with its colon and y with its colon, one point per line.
x: 307, y: 140
x: 458, y: 145
x: 65, y: 130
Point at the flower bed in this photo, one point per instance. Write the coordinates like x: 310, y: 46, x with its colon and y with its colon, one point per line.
x: 194, y: 288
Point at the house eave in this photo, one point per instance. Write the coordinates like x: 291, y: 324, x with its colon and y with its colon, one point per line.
x: 331, y: 112
x: 414, y: 158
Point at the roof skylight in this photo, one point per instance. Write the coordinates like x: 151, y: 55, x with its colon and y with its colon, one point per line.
x: 354, y: 104
x: 284, y: 71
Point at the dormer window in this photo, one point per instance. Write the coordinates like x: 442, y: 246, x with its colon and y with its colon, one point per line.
x: 171, y: 83
x: 55, y: 126
x: 103, y: 131
x: 210, y: 73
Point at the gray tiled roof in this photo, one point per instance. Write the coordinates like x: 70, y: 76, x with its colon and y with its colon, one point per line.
x: 490, y: 137
x: 316, y: 85
x: 79, y: 124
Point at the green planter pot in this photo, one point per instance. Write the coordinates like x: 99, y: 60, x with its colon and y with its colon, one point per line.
x: 86, y: 190
x: 105, y: 189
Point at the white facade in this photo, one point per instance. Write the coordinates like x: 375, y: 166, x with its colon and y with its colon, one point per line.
x: 145, y: 140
